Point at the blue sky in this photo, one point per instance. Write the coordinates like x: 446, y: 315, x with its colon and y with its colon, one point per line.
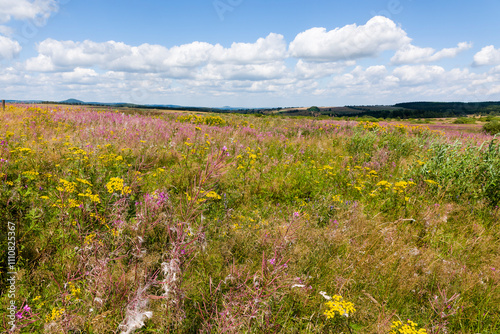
x: 250, y: 53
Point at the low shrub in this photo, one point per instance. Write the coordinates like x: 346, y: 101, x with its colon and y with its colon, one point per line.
x: 492, y: 127
x: 464, y: 120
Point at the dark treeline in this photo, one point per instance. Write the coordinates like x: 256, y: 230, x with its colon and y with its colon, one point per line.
x: 400, y: 110
x: 427, y: 110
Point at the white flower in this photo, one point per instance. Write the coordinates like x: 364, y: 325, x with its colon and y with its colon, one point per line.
x: 171, y: 270
x: 135, y: 314
x: 323, y: 293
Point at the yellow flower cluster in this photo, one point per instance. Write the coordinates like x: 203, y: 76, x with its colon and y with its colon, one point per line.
x: 212, y: 194
x: 361, y: 177
x: 336, y: 198
x: 159, y: 171
x: 67, y: 186
x: 31, y: 174
x: 115, y: 232
x: 252, y: 156
x: 74, y: 291
x: 93, y: 197
x: 205, y: 195
x: 386, y: 184
x: 408, y: 328
x: 26, y: 150
x: 116, y: 185
x: 401, y: 128
x: 400, y: 186
x: 338, y: 305
x: 245, y: 123
x: 84, y: 181
x: 195, y: 119
x: 431, y: 182
x: 78, y: 153
x: 326, y: 167
x: 56, y: 314
x: 98, y: 217
x: 111, y: 159
x: 73, y: 203
x: 89, y: 238
x: 371, y: 126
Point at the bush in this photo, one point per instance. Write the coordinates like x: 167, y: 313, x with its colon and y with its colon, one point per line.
x: 492, y: 127
x: 464, y: 120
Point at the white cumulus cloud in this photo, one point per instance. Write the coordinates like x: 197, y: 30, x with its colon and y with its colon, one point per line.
x: 377, y: 85
x: 309, y: 70
x: 349, y: 42
x: 244, y: 59
x: 362, y: 80
x: 268, y: 71
x: 487, y: 56
x: 264, y: 50
x: 69, y: 54
x: 37, y: 10
x: 411, y: 54
x: 8, y: 48
x: 80, y: 75
x: 41, y: 63
x: 418, y: 74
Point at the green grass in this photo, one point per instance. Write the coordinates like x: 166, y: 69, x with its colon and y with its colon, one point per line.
x: 228, y: 223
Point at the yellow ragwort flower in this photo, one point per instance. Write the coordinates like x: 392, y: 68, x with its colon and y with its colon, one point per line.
x: 116, y: 185
x: 409, y: 328
x: 337, y: 304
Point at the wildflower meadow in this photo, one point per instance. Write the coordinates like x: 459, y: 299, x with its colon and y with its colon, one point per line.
x: 134, y: 221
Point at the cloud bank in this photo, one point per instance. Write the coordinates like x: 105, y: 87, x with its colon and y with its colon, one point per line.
x: 319, y: 64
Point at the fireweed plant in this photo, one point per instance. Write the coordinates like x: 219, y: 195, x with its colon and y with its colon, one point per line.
x: 156, y: 221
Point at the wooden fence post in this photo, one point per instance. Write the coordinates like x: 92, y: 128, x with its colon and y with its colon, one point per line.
x: 3, y: 105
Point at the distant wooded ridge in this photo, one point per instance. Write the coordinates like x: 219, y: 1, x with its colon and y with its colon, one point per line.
x: 399, y: 110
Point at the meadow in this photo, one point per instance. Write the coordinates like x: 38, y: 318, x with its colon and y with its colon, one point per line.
x: 153, y: 222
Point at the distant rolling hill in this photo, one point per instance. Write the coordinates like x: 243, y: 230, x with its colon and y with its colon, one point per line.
x: 72, y: 101
x: 400, y: 110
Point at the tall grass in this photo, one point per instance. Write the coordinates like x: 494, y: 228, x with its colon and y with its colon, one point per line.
x: 137, y: 222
